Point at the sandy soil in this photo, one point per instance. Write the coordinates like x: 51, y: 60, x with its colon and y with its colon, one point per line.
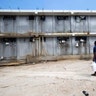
x: 61, y: 78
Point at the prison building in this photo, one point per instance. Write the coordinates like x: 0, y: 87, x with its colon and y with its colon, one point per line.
x: 46, y: 33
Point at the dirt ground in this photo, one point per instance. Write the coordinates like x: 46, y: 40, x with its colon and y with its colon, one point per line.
x: 61, y: 78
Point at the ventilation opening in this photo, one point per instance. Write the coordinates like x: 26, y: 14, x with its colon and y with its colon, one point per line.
x: 62, y: 17
x: 32, y: 39
x: 62, y: 40
x: 9, y: 39
x: 44, y: 39
x: 81, y: 38
x: 9, y: 17
x: 31, y: 17
x: 42, y: 18
x: 80, y: 17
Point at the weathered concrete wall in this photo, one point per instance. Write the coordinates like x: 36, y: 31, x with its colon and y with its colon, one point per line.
x: 78, y: 25
x: 92, y: 24
x: 8, y: 49
x: 50, y: 46
x: 24, y: 48
x: 22, y: 24
x: 1, y: 24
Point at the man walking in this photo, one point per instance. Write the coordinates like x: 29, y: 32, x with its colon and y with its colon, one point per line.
x: 94, y: 59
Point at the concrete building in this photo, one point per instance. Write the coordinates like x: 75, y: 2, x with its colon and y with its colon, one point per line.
x: 53, y: 33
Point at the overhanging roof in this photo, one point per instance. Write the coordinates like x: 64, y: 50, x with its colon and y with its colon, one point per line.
x: 47, y: 12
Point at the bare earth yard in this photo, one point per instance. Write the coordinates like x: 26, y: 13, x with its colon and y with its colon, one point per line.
x: 61, y: 78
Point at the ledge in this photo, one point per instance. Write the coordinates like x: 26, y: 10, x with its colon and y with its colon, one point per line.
x: 35, y: 34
